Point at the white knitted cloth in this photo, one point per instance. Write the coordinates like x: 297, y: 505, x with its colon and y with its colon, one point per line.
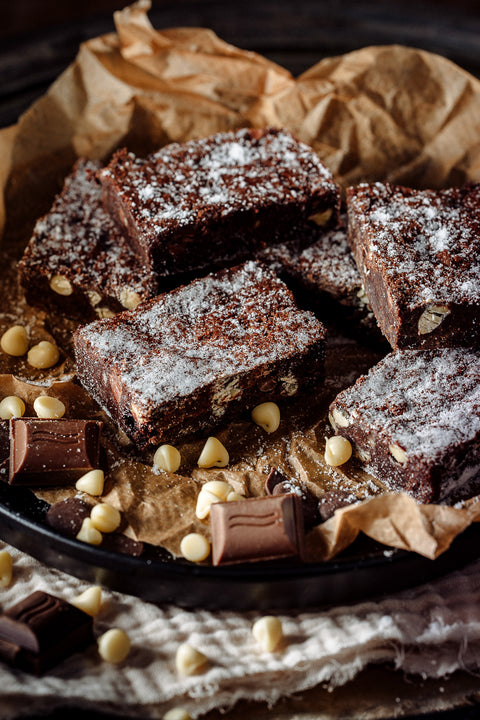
x: 432, y: 630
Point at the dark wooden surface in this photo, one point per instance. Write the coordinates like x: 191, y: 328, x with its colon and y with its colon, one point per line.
x: 39, y: 38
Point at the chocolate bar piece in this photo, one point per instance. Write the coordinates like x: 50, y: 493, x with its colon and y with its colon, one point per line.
x: 77, y: 260
x: 49, y: 452
x: 264, y: 528
x: 418, y: 252
x: 4, y: 449
x: 324, y: 277
x: 415, y: 420
x: 212, y: 202
x: 41, y: 630
x: 199, y: 355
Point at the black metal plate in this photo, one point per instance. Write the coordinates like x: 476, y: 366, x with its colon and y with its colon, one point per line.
x: 28, y: 65
x: 366, y: 570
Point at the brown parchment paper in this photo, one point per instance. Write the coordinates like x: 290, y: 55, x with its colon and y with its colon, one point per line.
x: 380, y: 113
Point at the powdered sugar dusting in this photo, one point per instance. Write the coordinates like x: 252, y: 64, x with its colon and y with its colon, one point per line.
x: 226, y: 172
x: 427, y: 242
x: 215, y: 328
x: 78, y: 239
x: 425, y: 401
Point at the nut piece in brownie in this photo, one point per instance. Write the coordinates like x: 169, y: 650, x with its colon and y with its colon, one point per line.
x: 415, y: 420
x: 212, y: 202
x: 191, y: 358
x: 77, y: 260
x: 418, y: 252
x: 325, y: 278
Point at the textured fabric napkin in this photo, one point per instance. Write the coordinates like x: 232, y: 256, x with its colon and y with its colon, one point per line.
x: 432, y: 630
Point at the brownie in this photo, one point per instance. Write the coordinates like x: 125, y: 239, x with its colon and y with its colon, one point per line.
x: 325, y: 278
x: 192, y: 358
x: 418, y: 252
x: 78, y: 241
x: 213, y: 202
x: 415, y: 420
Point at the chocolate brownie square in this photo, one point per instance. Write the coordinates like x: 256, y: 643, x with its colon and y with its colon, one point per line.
x: 418, y: 252
x: 201, y: 354
x: 210, y: 203
x: 325, y: 278
x: 415, y: 420
x: 77, y: 260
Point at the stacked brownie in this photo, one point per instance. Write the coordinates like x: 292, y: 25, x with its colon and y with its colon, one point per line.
x: 119, y: 235
x: 188, y: 358
x: 77, y: 260
x: 415, y: 418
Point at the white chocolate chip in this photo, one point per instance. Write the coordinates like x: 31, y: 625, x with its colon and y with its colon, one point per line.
x: 114, y: 646
x: 61, y: 285
x: 212, y: 492
x: 234, y: 496
x: 6, y: 571
x: 177, y: 714
x: 204, y: 500
x: 167, y: 458
x: 90, y: 601
x: 44, y: 355
x: 431, y: 318
x: 129, y: 298
x: 92, y: 482
x: 268, y: 632
x: 338, y: 418
x: 89, y: 534
x: 94, y: 297
x: 104, y: 312
x: 14, y: 341
x: 189, y: 660
x: 214, y: 454
x: 195, y: 547
x: 267, y: 415
x: 321, y: 218
x: 49, y: 407
x: 12, y: 407
x: 105, y: 518
x: 338, y: 450
x: 398, y: 453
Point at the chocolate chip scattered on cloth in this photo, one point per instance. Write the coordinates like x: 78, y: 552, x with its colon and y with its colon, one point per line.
x: 432, y: 630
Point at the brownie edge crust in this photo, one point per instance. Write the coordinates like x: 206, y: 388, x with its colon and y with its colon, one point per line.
x: 212, y: 203
x: 200, y: 355
x: 414, y: 419
x: 418, y: 252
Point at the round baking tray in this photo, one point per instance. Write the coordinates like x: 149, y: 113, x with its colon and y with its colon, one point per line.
x: 365, y: 570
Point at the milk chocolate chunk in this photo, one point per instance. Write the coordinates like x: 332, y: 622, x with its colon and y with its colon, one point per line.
x: 49, y: 452
x: 41, y: 630
x: 262, y: 528
x: 4, y: 450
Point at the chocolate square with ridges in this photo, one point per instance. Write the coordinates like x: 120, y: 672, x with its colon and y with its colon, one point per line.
x: 264, y: 528
x: 215, y: 201
x: 78, y: 241
x: 414, y: 419
x: 50, y: 452
x: 193, y: 358
x: 418, y: 252
x: 41, y: 630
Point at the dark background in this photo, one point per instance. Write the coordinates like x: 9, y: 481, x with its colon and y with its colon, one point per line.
x: 38, y: 39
